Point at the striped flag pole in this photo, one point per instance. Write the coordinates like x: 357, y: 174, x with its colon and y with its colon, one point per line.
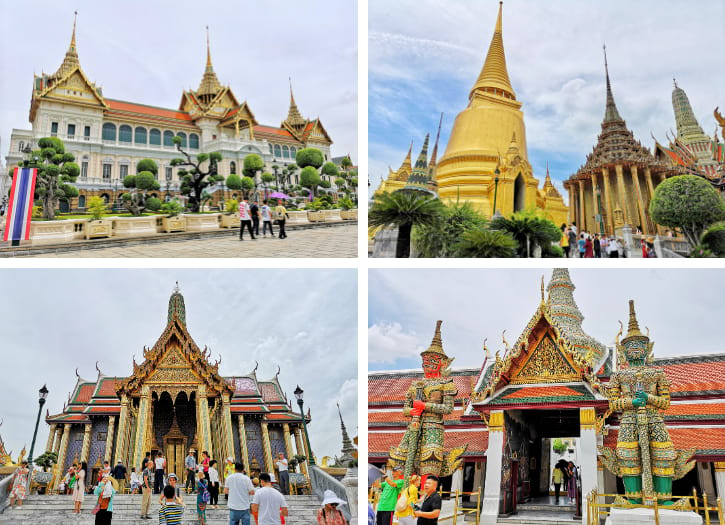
x: 20, y: 205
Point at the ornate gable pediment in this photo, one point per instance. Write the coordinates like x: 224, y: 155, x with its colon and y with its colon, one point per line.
x: 545, y: 364
x: 74, y: 86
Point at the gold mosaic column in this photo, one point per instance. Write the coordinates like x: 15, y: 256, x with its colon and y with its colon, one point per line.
x: 651, y: 188
x: 58, y: 437
x: 608, y: 199
x: 227, y: 420
x: 267, y: 448
x: 582, y: 223
x: 86, y: 443
x: 622, y: 197
x: 300, y: 446
x: 287, y: 440
x: 205, y: 426
x: 121, y: 441
x: 109, y: 438
x: 595, y: 201
x: 62, y: 453
x: 640, y: 202
x: 572, y: 200
x: 243, y: 441
x: 144, y: 416
x: 51, y: 437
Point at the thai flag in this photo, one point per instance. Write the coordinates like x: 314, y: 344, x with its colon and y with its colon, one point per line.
x: 20, y: 206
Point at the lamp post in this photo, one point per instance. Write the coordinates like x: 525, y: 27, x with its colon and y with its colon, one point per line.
x: 298, y: 394
x: 497, y: 172
x: 43, y: 393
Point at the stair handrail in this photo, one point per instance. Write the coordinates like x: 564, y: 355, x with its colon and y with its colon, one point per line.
x: 5, y: 486
x: 322, y: 481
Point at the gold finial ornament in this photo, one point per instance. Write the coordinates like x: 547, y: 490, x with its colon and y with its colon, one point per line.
x: 209, y: 85
x: 436, y: 345
x: 633, y: 327
x: 494, y: 74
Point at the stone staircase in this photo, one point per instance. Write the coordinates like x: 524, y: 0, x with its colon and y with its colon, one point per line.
x: 540, y: 514
x: 58, y: 510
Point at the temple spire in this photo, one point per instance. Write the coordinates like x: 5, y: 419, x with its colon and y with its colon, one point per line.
x: 71, y: 56
x: 407, y: 160
x: 633, y: 327
x: 422, y: 160
x: 436, y: 345
x: 208, y: 50
x: 494, y: 77
x: 610, y: 114
x: 177, y: 309
x: 434, y: 155
x: 347, y: 447
x: 688, y: 129
x: 294, y: 117
x: 209, y: 85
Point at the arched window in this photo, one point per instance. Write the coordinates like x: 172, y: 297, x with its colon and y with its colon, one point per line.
x: 109, y: 131
x: 183, y: 139
x: 194, y: 141
x: 168, y: 138
x: 519, y: 193
x: 277, y: 150
x: 293, y: 152
x: 271, y: 151
x: 232, y: 167
x: 155, y: 137
x: 140, y: 135
x: 125, y: 134
x: 82, y: 201
x: 285, y: 152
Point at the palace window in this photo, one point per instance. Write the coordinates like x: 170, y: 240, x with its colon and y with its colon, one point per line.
x: 169, y: 173
x: 251, y: 434
x: 82, y: 201
x: 109, y: 131
x: 71, y: 131
x: 53, y: 129
x: 271, y: 151
x: 155, y: 137
x: 87, y: 133
x: 124, y: 171
x: 285, y: 152
x: 101, y: 436
x: 183, y: 139
x: 232, y: 167
x: 84, y: 168
x: 277, y: 150
x: 107, y: 171
x: 125, y: 134
x: 293, y: 152
x: 140, y: 135
x: 275, y: 434
x: 194, y: 141
x: 169, y: 138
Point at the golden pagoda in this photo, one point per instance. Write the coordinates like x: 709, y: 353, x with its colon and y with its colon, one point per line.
x: 489, y: 136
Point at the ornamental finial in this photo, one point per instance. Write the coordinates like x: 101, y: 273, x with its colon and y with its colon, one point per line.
x: 633, y: 328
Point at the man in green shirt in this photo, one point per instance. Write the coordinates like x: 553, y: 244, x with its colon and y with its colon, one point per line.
x: 388, y: 499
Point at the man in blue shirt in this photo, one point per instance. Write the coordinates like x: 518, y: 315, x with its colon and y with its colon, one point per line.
x: 190, y: 465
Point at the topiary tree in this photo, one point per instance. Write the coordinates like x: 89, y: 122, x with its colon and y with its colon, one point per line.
x: 46, y: 460
x: 689, y: 203
x: 714, y: 239
x: 267, y: 179
x: 137, y: 200
x: 288, y: 173
x: 196, y: 179
x: 330, y: 169
x: 346, y: 163
x: 310, y: 179
x: 252, y: 164
x: 309, y: 157
x: 56, y: 170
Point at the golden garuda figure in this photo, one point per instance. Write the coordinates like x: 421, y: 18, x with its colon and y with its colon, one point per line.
x: 645, y: 457
x: 428, y: 400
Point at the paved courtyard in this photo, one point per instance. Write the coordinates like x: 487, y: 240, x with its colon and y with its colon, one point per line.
x: 337, y: 241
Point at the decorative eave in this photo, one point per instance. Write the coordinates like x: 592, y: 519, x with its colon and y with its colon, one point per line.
x: 46, y: 90
x: 316, y: 125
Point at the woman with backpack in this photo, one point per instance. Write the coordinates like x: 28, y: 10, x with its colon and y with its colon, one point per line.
x: 408, y: 497
x: 202, y: 497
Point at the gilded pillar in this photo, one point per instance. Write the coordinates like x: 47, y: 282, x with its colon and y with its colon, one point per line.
x: 582, y: 222
x: 572, y: 200
x: 644, y: 225
x: 227, y: 422
x: 595, y: 201
x: 109, y: 438
x: 287, y: 440
x: 608, y: 199
x: 58, y: 437
x: 300, y: 446
x: 121, y: 441
x: 622, y: 198
x: 144, y: 416
x: 243, y: 441
x: 267, y: 448
x: 86, y: 449
x: 63, y: 450
x: 51, y: 437
x: 202, y: 413
x: 651, y: 188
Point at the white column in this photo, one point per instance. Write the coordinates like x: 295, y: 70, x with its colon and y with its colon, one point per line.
x: 457, y: 480
x: 588, y: 458
x: 494, y: 460
x: 720, y: 480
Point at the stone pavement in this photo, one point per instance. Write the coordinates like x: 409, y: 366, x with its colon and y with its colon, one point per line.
x: 338, y: 241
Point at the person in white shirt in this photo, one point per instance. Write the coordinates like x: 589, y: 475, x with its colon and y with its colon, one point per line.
x: 238, y: 488
x: 268, y: 503
x: 281, y: 464
x: 135, y: 481
x: 245, y: 216
x: 160, y: 463
x: 213, y: 484
x: 266, y: 219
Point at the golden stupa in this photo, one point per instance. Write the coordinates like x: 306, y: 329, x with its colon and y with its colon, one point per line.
x: 490, y: 135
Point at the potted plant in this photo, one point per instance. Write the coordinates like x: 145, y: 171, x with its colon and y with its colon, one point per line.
x: 348, y: 210
x: 314, y: 211
x: 172, y: 222
x: 97, y: 225
x: 230, y: 217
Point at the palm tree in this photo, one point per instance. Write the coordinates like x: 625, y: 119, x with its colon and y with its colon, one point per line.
x: 486, y: 243
x: 404, y: 209
x: 528, y: 229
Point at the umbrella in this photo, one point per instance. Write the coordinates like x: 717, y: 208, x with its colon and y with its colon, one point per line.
x: 278, y: 195
x: 374, y: 474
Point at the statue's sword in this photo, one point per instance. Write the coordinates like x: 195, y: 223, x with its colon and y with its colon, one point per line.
x: 643, y: 438
x: 414, y: 442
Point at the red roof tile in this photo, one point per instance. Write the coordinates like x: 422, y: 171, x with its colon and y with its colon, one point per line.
x: 383, y: 388
x: 84, y: 393
x: 717, y: 410
x: 397, y: 417
x: 543, y: 391
x: 696, y: 377
x: 130, y: 107
x: 273, y: 131
x: 104, y: 410
x: 108, y: 388
x: 379, y: 443
x: 254, y: 408
x: 285, y: 417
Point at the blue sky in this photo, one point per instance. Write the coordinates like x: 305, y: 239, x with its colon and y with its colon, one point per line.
x: 424, y: 57
x: 63, y: 319
x: 677, y: 305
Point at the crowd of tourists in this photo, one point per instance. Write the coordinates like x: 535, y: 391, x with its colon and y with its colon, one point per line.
x: 585, y: 245
x: 409, y: 505
x: 250, y: 215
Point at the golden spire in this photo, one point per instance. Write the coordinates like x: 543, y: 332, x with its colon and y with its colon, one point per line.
x: 71, y: 56
x: 494, y: 75
x: 407, y: 163
x: 294, y: 117
x: 633, y: 328
x: 436, y: 345
x: 209, y: 82
x: 434, y: 155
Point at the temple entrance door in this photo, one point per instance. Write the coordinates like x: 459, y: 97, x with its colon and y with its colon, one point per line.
x: 175, y: 454
x: 519, y: 193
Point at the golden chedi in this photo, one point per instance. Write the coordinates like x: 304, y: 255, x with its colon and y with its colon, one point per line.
x: 490, y: 135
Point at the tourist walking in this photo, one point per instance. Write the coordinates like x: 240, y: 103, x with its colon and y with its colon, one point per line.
x: 571, y: 483
x: 388, y: 497
x: 238, y: 487
x: 159, y: 473
x: 254, y: 209
x: 268, y: 504
x: 588, y: 248
x: 204, y: 463
x: 571, y: 233
x: 136, y: 481
x: 597, y: 246
x: 173, y: 483
x: 330, y: 514
x: 228, y: 471
x: 245, y: 216
x: 581, y: 245
x: 119, y: 474
x: 408, y: 497
x: 104, y: 506
x: 146, y: 489
x: 564, y: 241
x: 556, y: 478
x: 79, y: 489
x: 172, y: 511
x: 202, y: 497
x: 430, y: 507
x: 266, y: 219
x: 213, y: 484
x: 145, y: 461
x: 20, y: 481
x: 280, y: 213
x: 190, y: 465
x: 282, y: 468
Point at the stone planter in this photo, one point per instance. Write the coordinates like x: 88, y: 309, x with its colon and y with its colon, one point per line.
x: 297, y: 217
x: 46, y: 232
x: 177, y: 223
x: 348, y: 215
x: 99, y: 228
x: 332, y: 215
x: 202, y: 222
x: 316, y: 216
x: 228, y: 220
x: 134, y: 226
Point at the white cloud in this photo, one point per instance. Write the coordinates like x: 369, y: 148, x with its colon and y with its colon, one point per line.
x: 388, y: 342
